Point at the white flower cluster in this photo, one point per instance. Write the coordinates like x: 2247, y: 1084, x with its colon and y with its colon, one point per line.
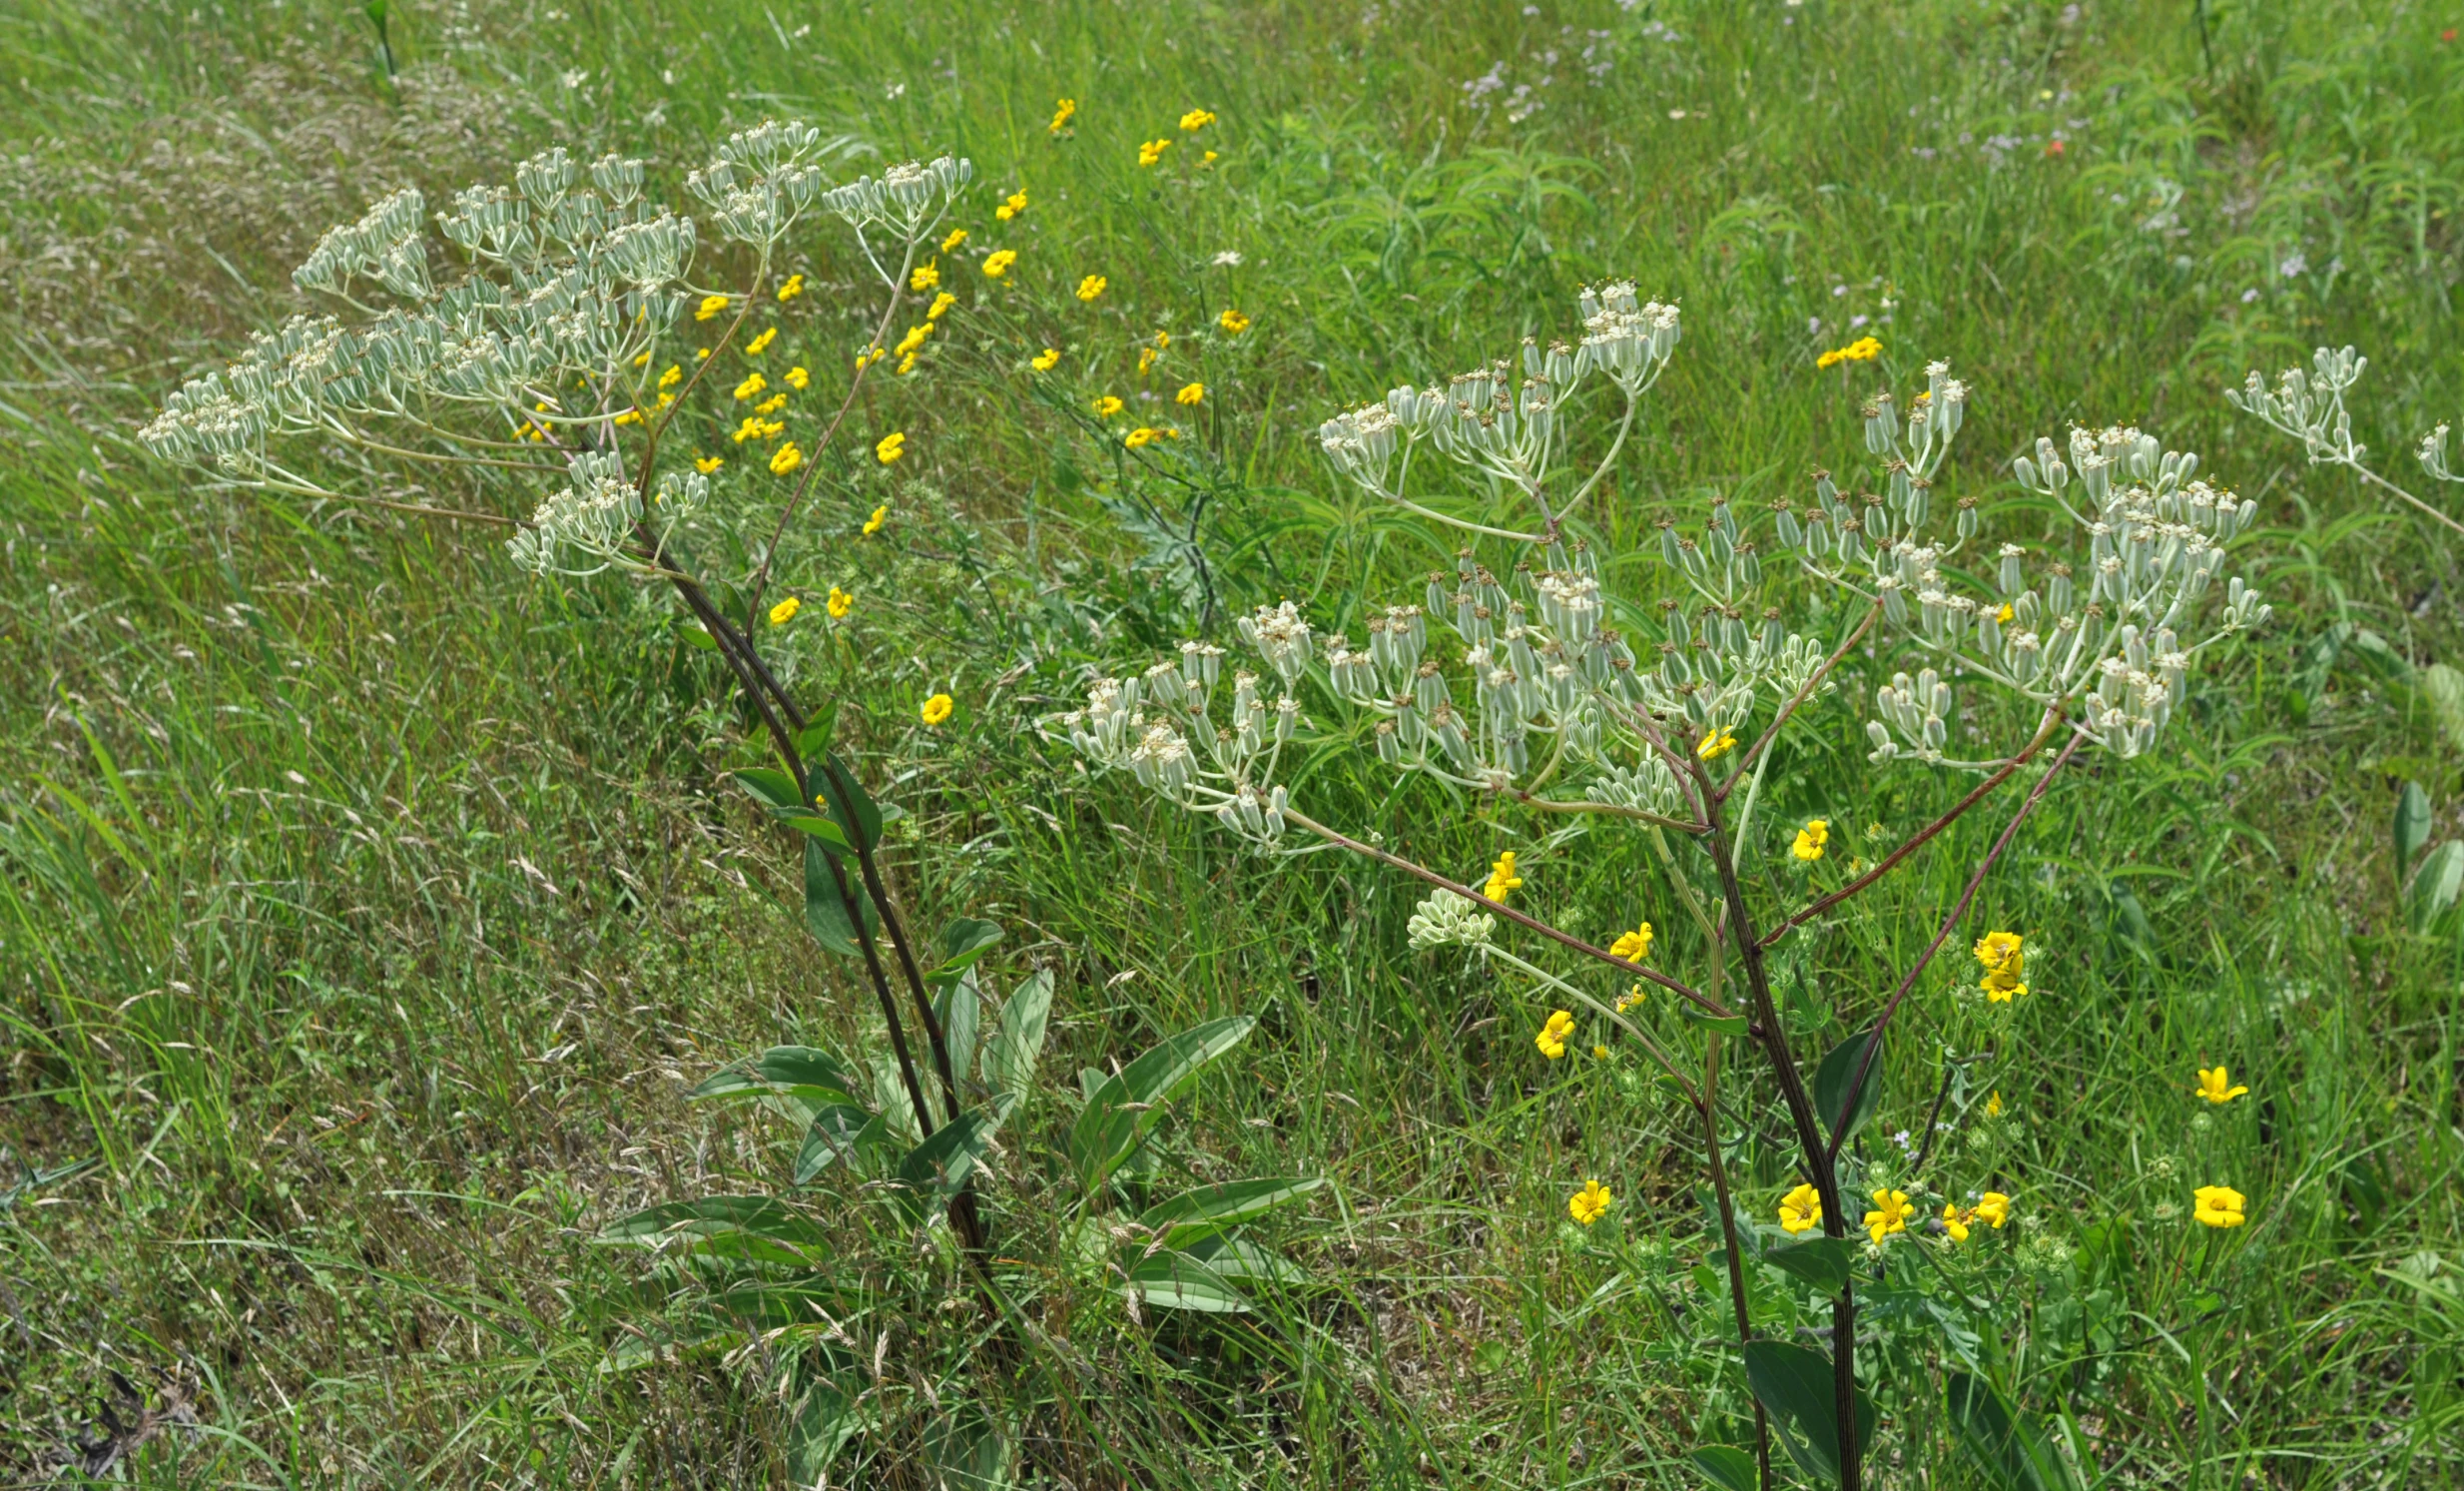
x: 1144, y: 725
x: 904, y: 199
x: 598, y: 516
x: 384, y: 246
x: 1448, y: 920
x: 2310, y: 407
x: 762, y: 180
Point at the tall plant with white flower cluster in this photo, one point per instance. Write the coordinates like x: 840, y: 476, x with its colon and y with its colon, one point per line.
x: 2309, y: 407
x: 1528, y: 680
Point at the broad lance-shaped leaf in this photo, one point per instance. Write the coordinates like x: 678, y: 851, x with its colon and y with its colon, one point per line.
x: 825, y: 910
x: 958, y: 1010
x: 1725, y: 1466
x: 1197, y: 1214
x: 2412, y: 826
x: 2435, y: 885
x: 1120, y: 1111
x: 1010, y: 1058
x: 2010, y: 1447
x: 961, y: 942
x: 840, y: 1132
x: 802, y: 1071
x: 835, y: 783
x: 1177, y: 1281
x: 1831, y: 1086
x: 936, y: 1169
x: 1820, y: 1261
x: 759, y: 1227
x: 1793, y: 1386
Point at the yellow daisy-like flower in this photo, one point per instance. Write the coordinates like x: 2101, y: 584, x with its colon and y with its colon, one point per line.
x: 1501, y: 877
x: 1152, y: 151
x: 1716, y: 744
x: 838, y: 603
x: 2213, y: 1086
x: 2007, y: 614
x: 1196, y: 119
x: 785, y: 459
x: 926, y: 277
x: 1811, y: 839
x: 1108, y: 407
x: 1631, y: 998
x: 1590, y: 1203
x: 1045, y: 360
x: 997, y: 263
x: 797, y: 377
x: 1191, y: 395
x: 916, y: 335
x: 956, y: 237
x: 1800, y: 1211
x: 1993, y: 1208
x: 941, y: 305
x: 1863, y: 349
x: 671, y: 377
x: 891, y: 447
x: 1091, y: 286
x: 1011, y: 206
x: 1633, y: 946
x: 1146, y: 359
x: 711, y: 305
x: 936, y: 709
x: 760, y: 344
x: 873, y: 523
x: 701, y: 353
x: 771, y: 406
x: 1233, y: 322
x: 864, y: 360
x: 2005, y: 959
x: 1993, y: 1105
x: 641, y: 361
x: 707, y: 463
x: 1954, y: 1221
x: 906, y: 364
x: 1891, y: 1213
x: 793, y: 286
x: 1062, y: 108
x: 1552, y: 1038
x: 1206, y: 160
x: 1141, y: 436
x: 753, y: 384
x: 2219, y: 1206
x: 629, y: 417
x: 785, y: 612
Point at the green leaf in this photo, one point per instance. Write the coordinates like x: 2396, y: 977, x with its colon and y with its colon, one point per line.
x: 1009, y: 1060
x: 1193, y: 1213
x: 1793, y: 1386
x: 1821, y: 1261
x: 823, y: 1421
x: 693, y: 634
x: 820, y: 828
x: 1831, y: 1086
x: 2412, y: 825
x: 937, y: 1169
x: 1120, y: 1111
x: 2011, y: 1448
x: 747, y: 1226
x: 838, y: 1132
x: 849, y: 803
x: 1725, y: 1466
x: 1726, y: 1025
x: 1177, y: 1281
x: 2435, y: 885
x: 1240, y: 1261
x: 961, y: 942
x: 968, y: 1453
x: 772, y: 788
x: 2444, y: 687
x: 802, y: 1072
x: 825, y: 911
x: 959, y: 1009
x: 813, y: 741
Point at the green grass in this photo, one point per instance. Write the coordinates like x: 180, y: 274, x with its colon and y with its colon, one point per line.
x: 369, y: 909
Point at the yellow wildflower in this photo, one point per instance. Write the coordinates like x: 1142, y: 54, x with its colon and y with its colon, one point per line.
x: 1233, y: 322
x: 2007, y: 614
x: 760, y: 344
x: 753, y: 384
x: 891, y: 446
x: 1091, y: 286
x: 926, y: 277
x: 1206, y: 160
x: 1195, y: 120
x: 1589, y: 1205
x: 936, y: 709
x: 1152, y: 151
x: 941, y: 305
x: 1954, y: 1221
x: 1811, y: 839
x: 701, y: 354
x: 785, y: 612
x: 1146, y: 359
x: 793, y: 286
x: 1633, y: 946
x: 711, y: 305
x: 2212, y: 1086
x: 707, y: 463
x: 873, y: 523
x: 1800, y: 1211
x: 671, y: 377
x: 1993, y: 1208
x: 772, y: 404
x: 1891, y: 1213
x: 1631, y: 998
x: 1012, y: 204
x: 1142, y: 435
x: 1863, y: 349
x: 2003, y: 960
x: 1600, y: 1053
x: 913, y: 339
x: 1715, y: 744
x: 2219, y: 1206
x: 839, y: 604
x: 956, y: 237
x: 785, y: 459
x: 629, y: 417
x: 1191, y: 395
x: 1063, y: 108
x: 797, y: 377
x: 1993, y: 1105
x: 1552, y: 1038
x: 1501, y: 877
x: 1045, y: 360
x: 906, y: 364
x: 997, y: 263
x: 1108, y: 407
x: 641, y: 361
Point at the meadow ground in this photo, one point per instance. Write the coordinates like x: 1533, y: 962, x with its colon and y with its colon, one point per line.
x: 369, y: 908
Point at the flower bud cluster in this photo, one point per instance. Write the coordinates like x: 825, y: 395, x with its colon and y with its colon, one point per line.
x: 384, y: 246
x: 1448, y: 920
x: 904, y: 199
x: 2310, y: 407
x: 597, y: 516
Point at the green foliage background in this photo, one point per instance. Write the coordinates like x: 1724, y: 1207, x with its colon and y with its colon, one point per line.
x: 369, y: 908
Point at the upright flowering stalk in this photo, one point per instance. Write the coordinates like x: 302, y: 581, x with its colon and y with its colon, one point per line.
x: 1506, y: 679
